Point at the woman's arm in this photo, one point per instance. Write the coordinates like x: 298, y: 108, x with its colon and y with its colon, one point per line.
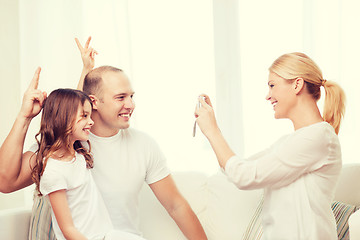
x: 295, y: 157
x: 63, y: 216
x: 207, y: 123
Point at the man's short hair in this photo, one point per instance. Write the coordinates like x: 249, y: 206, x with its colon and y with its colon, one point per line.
x: 93, y: 80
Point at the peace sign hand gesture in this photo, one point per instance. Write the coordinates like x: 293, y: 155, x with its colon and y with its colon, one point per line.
x: 87, y: 54
x: 33, y: 98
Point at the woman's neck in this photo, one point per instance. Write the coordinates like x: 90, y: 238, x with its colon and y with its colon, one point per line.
x: 307, y: 114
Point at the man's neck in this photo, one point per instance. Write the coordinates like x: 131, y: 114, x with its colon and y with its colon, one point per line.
x: 104, y: 132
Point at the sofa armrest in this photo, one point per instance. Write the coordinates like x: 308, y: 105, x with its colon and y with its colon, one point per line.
x: 348, y: 186
x: 14, y: 223
x: 354, y: 225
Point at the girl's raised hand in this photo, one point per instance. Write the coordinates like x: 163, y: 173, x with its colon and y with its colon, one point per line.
x: 33, y: 98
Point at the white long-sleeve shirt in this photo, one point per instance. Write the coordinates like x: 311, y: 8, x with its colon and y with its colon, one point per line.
x: 299, y: 174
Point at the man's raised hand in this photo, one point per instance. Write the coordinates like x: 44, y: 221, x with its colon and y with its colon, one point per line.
x: 33, y: 98
x: 87, y: 54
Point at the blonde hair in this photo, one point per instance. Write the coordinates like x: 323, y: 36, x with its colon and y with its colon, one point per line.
x: 298, y: 65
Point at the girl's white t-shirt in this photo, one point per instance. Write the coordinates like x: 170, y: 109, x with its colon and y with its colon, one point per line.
x: 87, y: 208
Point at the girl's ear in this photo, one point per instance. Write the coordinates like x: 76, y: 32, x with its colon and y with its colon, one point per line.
x: 94, y: 101
x: 298, y: 85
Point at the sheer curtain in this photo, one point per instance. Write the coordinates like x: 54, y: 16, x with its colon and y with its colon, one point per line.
x: 175, y: 50
x: 165, y: 47
x: 47, y: 32
x: 325, y: 30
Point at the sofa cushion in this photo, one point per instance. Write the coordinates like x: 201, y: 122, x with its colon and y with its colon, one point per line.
x: 342, y: 212
x: 254, y: 229
x: 155, y: 222
x: 40, y: 221
x: 228, y: 209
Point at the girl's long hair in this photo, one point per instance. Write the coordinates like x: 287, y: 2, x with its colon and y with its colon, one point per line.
x: 298, y: 65
x: 57, y: 120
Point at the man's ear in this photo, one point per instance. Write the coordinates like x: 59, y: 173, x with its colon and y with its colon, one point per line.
x: 94, y: 101
x: 298, y: 85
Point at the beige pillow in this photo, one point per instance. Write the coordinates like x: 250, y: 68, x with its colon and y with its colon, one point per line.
x: 342, y: 212
x: 40, y: 221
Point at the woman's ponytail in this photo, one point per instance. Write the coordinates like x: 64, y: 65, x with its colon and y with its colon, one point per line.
x: 334, y: 105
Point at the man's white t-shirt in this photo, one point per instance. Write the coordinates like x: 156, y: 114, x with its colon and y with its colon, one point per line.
x: 299, y: 174
x: 122, y: 163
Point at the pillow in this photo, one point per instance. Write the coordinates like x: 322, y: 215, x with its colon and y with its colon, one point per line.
x: 254, y: 229
x: 342, y: 212
x: 40, y: 221
x: 224, y: 202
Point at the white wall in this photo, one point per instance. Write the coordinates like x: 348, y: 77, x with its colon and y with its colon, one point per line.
x: 10, y: 81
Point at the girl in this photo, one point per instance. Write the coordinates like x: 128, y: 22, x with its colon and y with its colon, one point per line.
x: 61, y: 171
x: 300, y: 170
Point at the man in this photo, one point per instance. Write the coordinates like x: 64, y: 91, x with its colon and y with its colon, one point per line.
x: 123, y: 157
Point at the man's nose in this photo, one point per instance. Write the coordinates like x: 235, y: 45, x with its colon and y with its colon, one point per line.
x: 129, y: 103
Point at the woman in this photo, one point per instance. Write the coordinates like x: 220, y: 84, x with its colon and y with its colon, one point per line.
x: 299, y: 171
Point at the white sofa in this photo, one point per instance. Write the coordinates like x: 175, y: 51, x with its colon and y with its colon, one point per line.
x: 223, y: 210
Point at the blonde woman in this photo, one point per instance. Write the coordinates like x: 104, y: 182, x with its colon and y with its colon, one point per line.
x: 299, y: 171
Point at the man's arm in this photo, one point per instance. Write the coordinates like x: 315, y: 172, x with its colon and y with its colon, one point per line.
x: 179, y: 209
x: 15, y: 172
x: 88, y: 58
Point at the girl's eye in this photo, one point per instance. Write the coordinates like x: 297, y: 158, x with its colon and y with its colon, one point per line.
x: 271, y: 85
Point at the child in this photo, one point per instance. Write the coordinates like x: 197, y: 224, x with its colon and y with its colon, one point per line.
x: 62, y: 169
x: 299, y: 172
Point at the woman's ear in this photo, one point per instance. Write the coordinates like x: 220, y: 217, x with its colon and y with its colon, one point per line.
x: 94, y: 101
x: 298, y: 84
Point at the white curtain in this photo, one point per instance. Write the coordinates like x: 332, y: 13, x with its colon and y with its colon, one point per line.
x: 165, y: 47
x: 175, y: 50
x: 228, y: 72
x: 325, y: 30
